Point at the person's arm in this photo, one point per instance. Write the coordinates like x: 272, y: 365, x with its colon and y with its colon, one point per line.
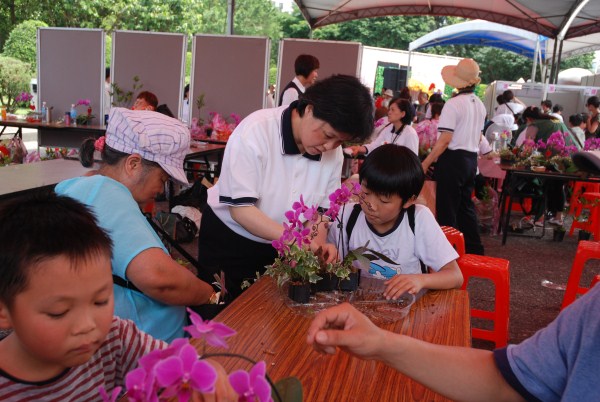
x: 440, y: 146
x: 161, y: 278
x: 448, y: 277
x: 256, y: 222
x: 456, y: 372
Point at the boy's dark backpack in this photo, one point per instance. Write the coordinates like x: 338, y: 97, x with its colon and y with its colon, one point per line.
x: 195, y: 196
x: 410, y: 212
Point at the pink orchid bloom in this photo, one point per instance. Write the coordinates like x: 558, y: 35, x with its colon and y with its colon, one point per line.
x: 113, y: 396
x: 252, y: 386
x: 184, y: 373
x: 141, y: 386
x: 214, y: 333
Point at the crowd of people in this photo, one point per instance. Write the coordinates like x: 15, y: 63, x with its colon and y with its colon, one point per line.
x: 57, y: 298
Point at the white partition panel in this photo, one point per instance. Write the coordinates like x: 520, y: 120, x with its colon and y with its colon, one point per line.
x: 70, y: 68
x: 231, y: 72
x: 334, y: 58
x: 157, y: 59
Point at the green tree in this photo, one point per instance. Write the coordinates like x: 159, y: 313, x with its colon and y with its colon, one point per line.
x: 22, y: 42
x: 14, y: 79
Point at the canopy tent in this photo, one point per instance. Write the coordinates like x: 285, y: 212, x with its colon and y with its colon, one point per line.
x: 556, y: 19
x: 545, y: 17
x: 484, y: 33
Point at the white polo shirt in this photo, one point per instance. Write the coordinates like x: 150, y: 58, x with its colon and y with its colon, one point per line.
x: 407, y: 137
x: 509, y: 108
x: 262, y: 166
x: 291, y: 94
x: 464, y: 117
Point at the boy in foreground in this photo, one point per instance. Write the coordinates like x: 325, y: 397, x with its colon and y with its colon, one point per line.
x: 388, y: 219
x: 56, y: 298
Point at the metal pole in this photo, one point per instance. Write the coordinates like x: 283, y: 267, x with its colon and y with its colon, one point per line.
x: 553, y: 59
x: 535, y: 56
x: 230, y: 12
x: 558, y: 62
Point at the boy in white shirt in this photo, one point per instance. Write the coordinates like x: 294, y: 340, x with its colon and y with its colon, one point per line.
x: 387, y: 217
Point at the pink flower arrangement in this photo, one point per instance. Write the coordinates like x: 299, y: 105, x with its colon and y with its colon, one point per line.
x: 296, y: 261
x: 591, y: 144
x: 178, y: 371
x: 83, y: 102
x: 556, y: 145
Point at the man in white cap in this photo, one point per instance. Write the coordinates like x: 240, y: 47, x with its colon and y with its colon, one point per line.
x: 388, y: 94
x: 455, y: 151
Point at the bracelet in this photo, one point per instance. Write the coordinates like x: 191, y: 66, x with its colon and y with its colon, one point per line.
x: 214, y: 298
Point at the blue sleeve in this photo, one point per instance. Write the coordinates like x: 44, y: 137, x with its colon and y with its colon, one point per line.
x: 560, y: 362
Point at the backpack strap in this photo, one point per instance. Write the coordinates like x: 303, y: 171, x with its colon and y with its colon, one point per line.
x: 352, y: 222
x: 410, y: 211
x: 117, y: 280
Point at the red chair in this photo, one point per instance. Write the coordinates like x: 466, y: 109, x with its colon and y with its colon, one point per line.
x: 586, y: 250
x: 455, y: 238
x: 579, y: 188
x: 591, y: 202
x: 496, y: 270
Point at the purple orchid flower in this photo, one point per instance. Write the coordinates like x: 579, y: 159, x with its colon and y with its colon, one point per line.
x: 214, y: 333
x: 252, y: 386
x: 183, y: 374
x: 113, y: 396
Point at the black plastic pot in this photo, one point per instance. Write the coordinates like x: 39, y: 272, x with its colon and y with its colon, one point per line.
x: 299, y: 292
x: 352, y: 282
x: 328, y: 282
x: 584, y: 235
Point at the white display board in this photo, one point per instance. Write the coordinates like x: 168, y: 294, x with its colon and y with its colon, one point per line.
x: 70, y: 67
x: 334, y: 58
x: 157, y: 59
x: 231, y: 72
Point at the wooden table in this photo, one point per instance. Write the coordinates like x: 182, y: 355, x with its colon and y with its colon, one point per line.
x: 20, y: 179
x: 268, y: 330
x: 57, y: 134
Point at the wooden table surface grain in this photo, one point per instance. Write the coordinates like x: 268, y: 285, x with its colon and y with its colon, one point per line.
x: 268, y: 330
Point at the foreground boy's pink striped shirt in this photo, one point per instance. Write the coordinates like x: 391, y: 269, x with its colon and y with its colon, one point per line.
x: 119, y: 354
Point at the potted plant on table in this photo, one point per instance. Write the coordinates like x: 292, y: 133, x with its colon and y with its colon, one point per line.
x: 298, y: 266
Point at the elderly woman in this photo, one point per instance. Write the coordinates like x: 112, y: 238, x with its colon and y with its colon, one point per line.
x: 540, y: 126
x: 139, y: 153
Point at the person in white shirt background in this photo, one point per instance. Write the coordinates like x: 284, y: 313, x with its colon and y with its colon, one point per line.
x: 306, y: 68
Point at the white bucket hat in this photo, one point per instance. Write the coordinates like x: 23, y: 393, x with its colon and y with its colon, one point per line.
x: 462, y: 75
x: 154, y: 136
x: 389, y: 92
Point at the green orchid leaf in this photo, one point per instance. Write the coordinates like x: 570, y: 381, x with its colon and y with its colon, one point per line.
x: 383, y: 257
x: 290, y: 390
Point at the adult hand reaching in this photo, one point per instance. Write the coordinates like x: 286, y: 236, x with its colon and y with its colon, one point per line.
x: 346, y: 327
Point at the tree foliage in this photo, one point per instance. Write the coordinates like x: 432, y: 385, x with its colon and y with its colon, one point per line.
x: 14, y: 79
x: 257, y: 18
x: 22, y: 42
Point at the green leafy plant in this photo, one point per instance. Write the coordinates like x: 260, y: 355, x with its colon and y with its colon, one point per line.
x: 199, y: 105
x: 123, y: 97
x: 14, y: 79
x: 22, y: 42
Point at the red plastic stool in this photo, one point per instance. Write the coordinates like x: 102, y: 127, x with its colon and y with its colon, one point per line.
x: 579, y: 188
x: 456, y: 238
x: 586, y: 250
x: 496, y: 270
x: 591, y: 202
